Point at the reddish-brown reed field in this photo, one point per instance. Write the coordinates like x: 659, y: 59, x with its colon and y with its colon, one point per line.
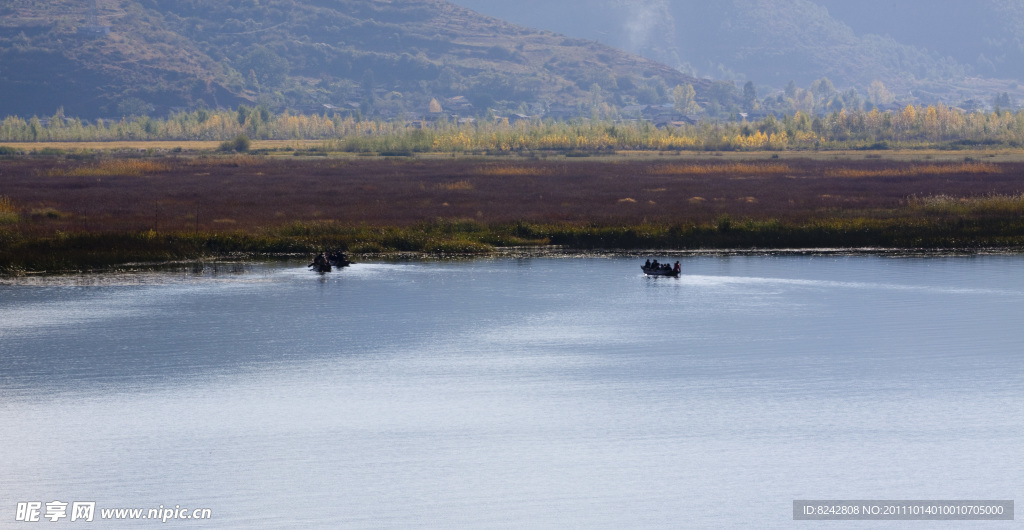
x: 245, y: 193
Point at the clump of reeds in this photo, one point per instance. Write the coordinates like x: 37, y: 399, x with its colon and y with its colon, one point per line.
x: 733, y: 169
x: 237, y: 160
x: 8, y: 211
x: 110, y: 168
x: 461, y: 185
x: 48, y: 213
x: 917, y: 170
x: 513, y: 170
x: 984, y: 204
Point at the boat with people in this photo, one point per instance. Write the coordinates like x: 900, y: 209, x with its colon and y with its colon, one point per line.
x: 326, y: 261
x: 662, y: 269
x: 339, y: 259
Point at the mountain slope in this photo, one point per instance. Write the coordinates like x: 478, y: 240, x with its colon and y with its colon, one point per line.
x: 50, y: 56
x: 392, y: 56
x: 910, y: 45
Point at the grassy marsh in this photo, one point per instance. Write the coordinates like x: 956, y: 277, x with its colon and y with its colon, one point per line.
x: 72, y: 213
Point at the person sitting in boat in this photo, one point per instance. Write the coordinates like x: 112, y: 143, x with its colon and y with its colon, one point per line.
x: 678, y: 268
x: 648, y: 264
x: 338, y: 259
x: 654, y: 265
x: 320, y: 262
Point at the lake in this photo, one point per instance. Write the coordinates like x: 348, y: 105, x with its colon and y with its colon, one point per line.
x: 506, y: 393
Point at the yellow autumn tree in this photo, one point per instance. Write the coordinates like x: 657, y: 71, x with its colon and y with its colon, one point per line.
x: 931, y: 123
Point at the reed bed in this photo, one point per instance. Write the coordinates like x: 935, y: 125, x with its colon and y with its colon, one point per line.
x: 231, y: 161
x: 985, y: 204
x: 111, y: 168
x: 199, y: 207
x: 514, y: 170
x: 737, y: 169
x: 916, y: 170
x: 461, y: 185
x: 8, y: 211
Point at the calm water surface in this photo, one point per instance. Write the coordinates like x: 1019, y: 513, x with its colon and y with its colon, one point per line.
x: 512, y: 393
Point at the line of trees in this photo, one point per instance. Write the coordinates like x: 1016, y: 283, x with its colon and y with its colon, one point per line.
x: 914, y: 126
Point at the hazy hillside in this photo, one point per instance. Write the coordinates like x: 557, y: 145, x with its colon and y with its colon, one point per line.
x: 115, y: 57
x: 933, y: 48
x: 985, y: 35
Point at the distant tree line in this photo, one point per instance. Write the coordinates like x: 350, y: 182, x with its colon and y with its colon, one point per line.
x: 725, y: 100
x: 913, y: 126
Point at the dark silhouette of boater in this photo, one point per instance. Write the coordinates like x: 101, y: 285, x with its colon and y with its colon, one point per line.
x: 338, y: 259
x: 320, y: 263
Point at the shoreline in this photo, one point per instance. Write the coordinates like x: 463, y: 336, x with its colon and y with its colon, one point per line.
x: 543, y: 252
x: 556, y: 251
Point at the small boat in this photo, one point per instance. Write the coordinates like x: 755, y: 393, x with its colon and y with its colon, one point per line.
x: 661, y: 269
x: 652, y: 271
x: 339, y: 259
x: 321, y: 267
x: 325, y: 262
